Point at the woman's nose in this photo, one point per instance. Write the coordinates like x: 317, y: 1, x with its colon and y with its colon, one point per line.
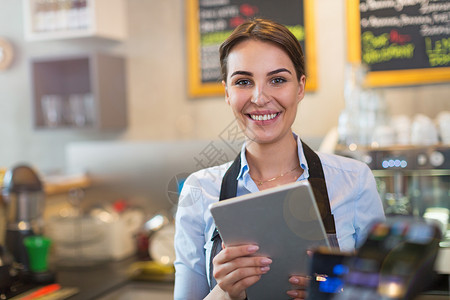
x: 260, y: 98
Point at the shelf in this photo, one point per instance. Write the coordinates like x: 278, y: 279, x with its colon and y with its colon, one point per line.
x: 54, y: 185
x: 360, y: 148
x: 66, y: 19
x: 85, y: 91
x: 416, y: 173
x: 63, y: 184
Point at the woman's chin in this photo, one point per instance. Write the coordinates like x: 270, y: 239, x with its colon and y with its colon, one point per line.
x: 262, y: 138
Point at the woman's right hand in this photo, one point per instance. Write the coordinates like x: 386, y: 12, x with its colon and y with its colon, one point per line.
x: 235, y: 269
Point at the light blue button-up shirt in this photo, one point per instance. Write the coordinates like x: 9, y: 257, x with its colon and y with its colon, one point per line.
x: 354, y: 202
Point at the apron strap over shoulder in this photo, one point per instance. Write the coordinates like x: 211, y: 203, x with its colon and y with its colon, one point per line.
x: 319, y: 187
x: 228, y: 190
x: 229, y: 182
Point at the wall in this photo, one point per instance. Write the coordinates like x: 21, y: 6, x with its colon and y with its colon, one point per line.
x: 20, y: 142
x: 158, y: 106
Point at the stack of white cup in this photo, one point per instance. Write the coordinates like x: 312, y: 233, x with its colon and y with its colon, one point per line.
x: 420, y: 130
x: 423, y: 131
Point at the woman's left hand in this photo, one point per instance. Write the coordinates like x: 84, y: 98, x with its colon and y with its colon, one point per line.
x: 299, y: 284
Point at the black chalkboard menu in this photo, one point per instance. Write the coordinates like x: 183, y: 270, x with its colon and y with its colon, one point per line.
x: 210, y: 22
x: 402, y: 42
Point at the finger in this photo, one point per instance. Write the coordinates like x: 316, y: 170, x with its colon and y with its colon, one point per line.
x: 240, y: 262
x: 299, y: 281
x: 297, y: 294
x: 239, y: 269
x: 232, y: 252
x: 241, y: 273
x: 245, y: 283
x: 240, y: 279
x: 238, y: 288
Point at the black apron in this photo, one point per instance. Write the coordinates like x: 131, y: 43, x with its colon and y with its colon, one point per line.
x: 318, y: 184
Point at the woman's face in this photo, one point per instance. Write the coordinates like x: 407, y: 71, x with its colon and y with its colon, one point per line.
x: 263, y: 90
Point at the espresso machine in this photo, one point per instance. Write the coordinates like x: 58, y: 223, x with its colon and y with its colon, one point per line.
x: 413, y: 181
x: 23, y: 198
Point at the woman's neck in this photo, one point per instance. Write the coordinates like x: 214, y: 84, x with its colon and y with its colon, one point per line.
x: 270, y: 160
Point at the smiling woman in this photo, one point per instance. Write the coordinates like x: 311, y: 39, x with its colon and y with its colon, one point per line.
x: 263, y: 75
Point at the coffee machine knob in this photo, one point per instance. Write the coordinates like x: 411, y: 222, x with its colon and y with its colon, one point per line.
x: 437, y: 159
x: 422, y: 159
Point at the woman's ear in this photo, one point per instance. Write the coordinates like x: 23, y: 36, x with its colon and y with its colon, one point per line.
x: 301, y: 88
x: 227, y: 100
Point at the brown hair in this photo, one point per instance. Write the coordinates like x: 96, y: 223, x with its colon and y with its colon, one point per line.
x: 264, y: 30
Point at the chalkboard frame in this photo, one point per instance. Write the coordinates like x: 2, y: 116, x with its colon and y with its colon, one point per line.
x: 196, y: 88
x: 386, y: 78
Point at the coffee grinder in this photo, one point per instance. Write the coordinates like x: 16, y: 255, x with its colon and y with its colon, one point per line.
x: 23, y: 196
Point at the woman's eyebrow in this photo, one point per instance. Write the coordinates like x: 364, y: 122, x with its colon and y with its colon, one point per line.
x: 246, y: 73
x: 278, y: 71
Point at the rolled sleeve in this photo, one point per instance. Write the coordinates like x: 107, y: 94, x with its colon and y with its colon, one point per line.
x: 368, y: 206
x: 354, y: 198
x: 190, y: 272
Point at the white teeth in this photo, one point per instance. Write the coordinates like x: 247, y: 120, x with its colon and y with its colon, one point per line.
x: 263, y: 117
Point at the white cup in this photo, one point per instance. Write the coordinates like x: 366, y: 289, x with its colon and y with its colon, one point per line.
x: 443, y: 123
x: 383, y: 136
x: 423, y: 131
x: 402, y: 127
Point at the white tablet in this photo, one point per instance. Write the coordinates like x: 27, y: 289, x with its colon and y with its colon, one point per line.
x: 284, y: 222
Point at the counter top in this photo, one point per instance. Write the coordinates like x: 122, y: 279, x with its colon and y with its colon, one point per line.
x: 99, y: 280
x: 94, y: 281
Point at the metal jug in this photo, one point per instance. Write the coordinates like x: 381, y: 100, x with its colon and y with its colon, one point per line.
x: 23, y: 196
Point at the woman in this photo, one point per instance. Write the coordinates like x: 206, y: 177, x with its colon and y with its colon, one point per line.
x: 264, y: 79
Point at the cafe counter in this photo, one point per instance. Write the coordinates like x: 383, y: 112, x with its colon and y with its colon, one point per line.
x: 105, y: 281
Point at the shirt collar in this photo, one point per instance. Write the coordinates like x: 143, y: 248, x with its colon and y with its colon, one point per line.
x: 301, y: 157
x: 244, y: 164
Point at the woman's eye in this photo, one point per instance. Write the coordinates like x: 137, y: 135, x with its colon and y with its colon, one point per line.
x: 278, y: 80
x: 243, y: 82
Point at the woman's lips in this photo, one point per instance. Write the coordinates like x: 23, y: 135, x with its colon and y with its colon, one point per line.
x: 263, y: 116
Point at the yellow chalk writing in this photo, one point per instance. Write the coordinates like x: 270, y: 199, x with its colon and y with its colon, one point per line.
x: 377, y: 49
x: 216, y: 38
x: 438, y: 52
x: 298, y: 31
x: 371, y: 41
